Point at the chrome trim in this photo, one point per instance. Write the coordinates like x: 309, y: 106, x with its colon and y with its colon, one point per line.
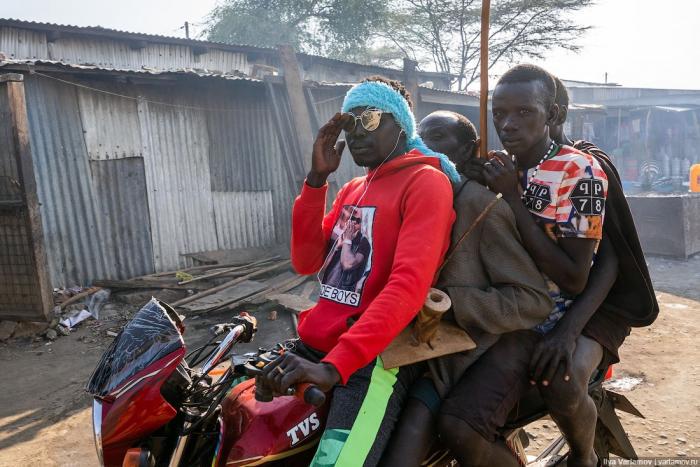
x: 97, y: 429
x: 179, y: 448
x: 223, y: 347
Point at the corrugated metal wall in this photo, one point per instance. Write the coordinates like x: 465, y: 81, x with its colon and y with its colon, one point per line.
x: 176, y: 161
x: 74, y: 228
x: 128, y: 185
x: 245, y: 157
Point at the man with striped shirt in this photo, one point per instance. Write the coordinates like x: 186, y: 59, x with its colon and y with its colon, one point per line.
x: 557, y: 195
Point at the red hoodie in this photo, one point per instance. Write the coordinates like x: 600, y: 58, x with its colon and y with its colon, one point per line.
x: 376, y: 260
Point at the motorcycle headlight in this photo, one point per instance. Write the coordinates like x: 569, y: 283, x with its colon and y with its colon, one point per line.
x: 97, y: 429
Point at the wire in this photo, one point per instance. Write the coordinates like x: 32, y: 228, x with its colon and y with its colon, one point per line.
x: 141, y: 99
x: 331, y: 251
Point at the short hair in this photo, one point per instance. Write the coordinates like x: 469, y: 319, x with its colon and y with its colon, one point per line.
x: 527, y: 73
x: 394, y: 84
x: 562, y: 97
x: 467, y: 130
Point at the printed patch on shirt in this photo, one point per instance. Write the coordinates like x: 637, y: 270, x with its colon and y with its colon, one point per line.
x: 349, y: 256
x: 588, y: 197
x: 538, y: 197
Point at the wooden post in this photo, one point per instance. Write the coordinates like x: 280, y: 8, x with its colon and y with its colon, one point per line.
x: 297, y: 102
x: 484, y: 91
x: 410, y: 81
x: 25, y: 167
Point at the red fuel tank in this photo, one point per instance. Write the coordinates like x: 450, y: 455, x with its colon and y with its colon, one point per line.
x: 285, y: 430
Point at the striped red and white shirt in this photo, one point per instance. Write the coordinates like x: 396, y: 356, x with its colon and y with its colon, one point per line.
x: 567, y: 198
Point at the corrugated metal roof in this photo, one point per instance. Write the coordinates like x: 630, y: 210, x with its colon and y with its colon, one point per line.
x: 160, y: 50
x: 202, y: 73
x: 23, y: 44
x: 118, y: 54
x: 101, y: 31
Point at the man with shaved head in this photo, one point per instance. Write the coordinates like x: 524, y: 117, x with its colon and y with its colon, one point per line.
x: 493, y: 283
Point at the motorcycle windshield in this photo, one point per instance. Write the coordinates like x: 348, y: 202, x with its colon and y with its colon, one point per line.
x: 150, y: 335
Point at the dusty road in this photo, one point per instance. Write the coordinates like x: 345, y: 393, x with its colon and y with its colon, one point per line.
x: 45, y: 416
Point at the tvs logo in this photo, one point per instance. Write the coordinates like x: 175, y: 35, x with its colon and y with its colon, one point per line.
x: 537, y: 197
x: 305, y: 428
x: 588, y: 197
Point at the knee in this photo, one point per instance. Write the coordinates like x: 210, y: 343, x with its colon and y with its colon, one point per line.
x: 564, y: 397
x: 456, y: 433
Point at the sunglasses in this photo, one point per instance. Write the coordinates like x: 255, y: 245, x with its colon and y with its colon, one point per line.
x: 356, y: 220
x: 369, y: 119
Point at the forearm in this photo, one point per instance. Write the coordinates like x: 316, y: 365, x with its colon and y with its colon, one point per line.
x: 548, y: 256
x: 316, y: 179
x: 308, y: 241
x: 601, y: 280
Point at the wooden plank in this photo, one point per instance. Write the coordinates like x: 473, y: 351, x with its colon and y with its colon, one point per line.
x: 8, y: 77
x: 410, y: 79
x: 263, y: 296
x: 79, y: 296
x: 137, y: 284
x: 219, y: 299
x: 449, y: 339
x: 295, y: 92
x: 292, y: 302
x: 25, y: 166
x: 208, y: 267
x: 228, y: 284
x: 280, y: 287
x: 237, y: 271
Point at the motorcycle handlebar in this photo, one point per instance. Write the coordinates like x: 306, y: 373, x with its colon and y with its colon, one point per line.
x: 312, y: 394
x: 309, y: 392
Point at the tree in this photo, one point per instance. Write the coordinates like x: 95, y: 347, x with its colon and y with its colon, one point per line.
x: 446, y: 33
x: 336, y: 28
x: 440, y: 34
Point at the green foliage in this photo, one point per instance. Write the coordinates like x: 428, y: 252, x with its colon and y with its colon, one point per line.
x: 440, y: 34
x: 336, y: 28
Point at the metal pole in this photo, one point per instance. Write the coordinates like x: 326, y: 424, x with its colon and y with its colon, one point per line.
x: 187, y: 29
x: 484, y: 94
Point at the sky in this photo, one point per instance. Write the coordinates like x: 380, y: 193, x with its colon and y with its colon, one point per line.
x: 639, y: 43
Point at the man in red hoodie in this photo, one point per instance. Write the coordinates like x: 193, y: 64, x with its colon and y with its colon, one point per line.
x: 401, y: 216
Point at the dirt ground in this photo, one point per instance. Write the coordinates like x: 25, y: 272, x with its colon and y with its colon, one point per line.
x: 45, y: 417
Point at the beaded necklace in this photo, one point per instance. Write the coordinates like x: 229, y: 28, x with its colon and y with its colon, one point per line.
x: 552, y: 151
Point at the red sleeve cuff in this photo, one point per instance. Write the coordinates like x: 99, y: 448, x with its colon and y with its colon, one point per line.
x: 314, y: 196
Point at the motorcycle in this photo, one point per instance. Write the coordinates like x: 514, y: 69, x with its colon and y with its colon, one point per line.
x: 156, y: 405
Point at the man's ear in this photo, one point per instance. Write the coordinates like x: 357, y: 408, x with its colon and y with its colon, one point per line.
x: 563, y: 114
x: 553, y: 115
x: 475, y: 149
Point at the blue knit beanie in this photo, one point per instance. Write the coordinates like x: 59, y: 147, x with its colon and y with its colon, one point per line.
x: 382, y: 96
